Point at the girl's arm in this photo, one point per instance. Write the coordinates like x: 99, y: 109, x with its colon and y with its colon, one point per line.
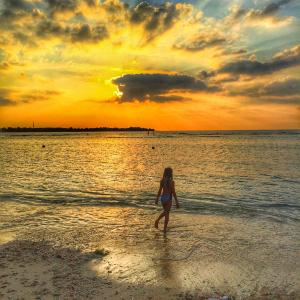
x: 174, y: 194
x: 158, y: 193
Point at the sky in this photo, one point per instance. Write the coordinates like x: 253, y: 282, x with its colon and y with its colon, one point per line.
x: 178, y: 65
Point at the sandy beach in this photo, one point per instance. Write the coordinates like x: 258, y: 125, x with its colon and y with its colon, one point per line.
x: 115, y: 253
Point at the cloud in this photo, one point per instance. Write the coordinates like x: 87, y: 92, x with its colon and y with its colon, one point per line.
x: 4, y: 97
x: 277, y: 92
x: 155, y: 19
x: 274, y: 100
x: 75, y: 33
x: 205, y: 74
x: 48, y: 27
x: 259, y: 17
x: 37, y: 95
x: 283, y: 88
x: 6, y: 102
x: 273, y: 8
x: 156, y: 87
x: 62, y: 5
x: 12, y: 8
x: 87, y: 33
x: 10, y: 97
x: 288, y: 87
x: 201, y: 41
x: 285, y: 59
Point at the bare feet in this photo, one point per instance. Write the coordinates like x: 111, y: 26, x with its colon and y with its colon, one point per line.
x: 156, y: 224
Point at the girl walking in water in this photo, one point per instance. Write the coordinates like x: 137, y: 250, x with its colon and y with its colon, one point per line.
x: 166, y: 191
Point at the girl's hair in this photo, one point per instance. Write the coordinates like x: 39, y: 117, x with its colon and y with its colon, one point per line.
x: 167, y: 177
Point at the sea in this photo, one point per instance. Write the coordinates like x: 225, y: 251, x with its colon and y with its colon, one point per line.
x: 244, y: 173
x: 239, y: 195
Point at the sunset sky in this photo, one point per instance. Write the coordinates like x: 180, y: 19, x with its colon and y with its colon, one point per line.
x: 206, y: 64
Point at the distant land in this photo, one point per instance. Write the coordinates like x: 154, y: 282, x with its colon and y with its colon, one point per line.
x: 71, y: 129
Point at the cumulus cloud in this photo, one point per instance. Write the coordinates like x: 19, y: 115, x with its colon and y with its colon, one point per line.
x: 87, y: 33
x: 12, y: 10
x: 285, y: 59
x: 74, y: 33
x: 289, y: 87
x: 48, y: 27
x: 284, y: 92
x: 259, y: 17
x: 62, y: 5
x: 155, y: 19
x: 156, y: 87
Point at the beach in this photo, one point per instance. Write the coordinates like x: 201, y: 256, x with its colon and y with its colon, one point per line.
x: 117, y: 253
x: 77, y: 218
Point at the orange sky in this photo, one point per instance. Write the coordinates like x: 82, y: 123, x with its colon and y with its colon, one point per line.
x: 169, y: 66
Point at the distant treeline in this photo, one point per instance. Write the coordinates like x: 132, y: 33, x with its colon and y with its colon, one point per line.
x: 71, y: 129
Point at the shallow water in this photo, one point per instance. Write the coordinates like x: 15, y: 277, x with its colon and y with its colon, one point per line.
x: 247, y: 258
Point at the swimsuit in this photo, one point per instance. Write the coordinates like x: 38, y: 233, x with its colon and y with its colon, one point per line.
x: 165, y: 197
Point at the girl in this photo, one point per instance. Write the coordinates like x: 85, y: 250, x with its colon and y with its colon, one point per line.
x: 166, y: 190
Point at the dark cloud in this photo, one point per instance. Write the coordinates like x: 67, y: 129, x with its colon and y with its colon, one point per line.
x: 277, y: 92
x: 91, y: 2
x: 16, y: 4
x: 24, y: 39
x: 271, y: 10
x: 288, y: 87
x: 75, y: 33
x: 48, y: 27
x: 155, y: 19
x: 200, y: 42
x: 114, y: 7
x: 87, y: 33
x: 6, y: 102
x: 274, y: 100
x: 285, y: 88
x: 12, y: 10
x: 12, y: 97
x: 205, y: 74
x: 156, y: 87
x: 62, y: 5
x: 281, y: 61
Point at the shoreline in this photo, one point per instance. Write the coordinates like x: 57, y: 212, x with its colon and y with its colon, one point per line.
x: 201, y: 257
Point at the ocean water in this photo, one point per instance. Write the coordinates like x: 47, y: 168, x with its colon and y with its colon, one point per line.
x: 237, y: 232
x: 251, y: 173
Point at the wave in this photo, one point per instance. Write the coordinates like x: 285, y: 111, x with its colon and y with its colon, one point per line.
x: 200, y: 205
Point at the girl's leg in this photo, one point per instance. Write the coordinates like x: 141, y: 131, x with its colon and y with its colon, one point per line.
x: 158, y: 219
x: 166, y: 221
x: 167, y: 207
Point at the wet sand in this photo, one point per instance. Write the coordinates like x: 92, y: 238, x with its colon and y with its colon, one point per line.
x: 52, y: 254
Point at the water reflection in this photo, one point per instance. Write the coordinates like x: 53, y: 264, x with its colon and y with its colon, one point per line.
x: 163, y: 258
